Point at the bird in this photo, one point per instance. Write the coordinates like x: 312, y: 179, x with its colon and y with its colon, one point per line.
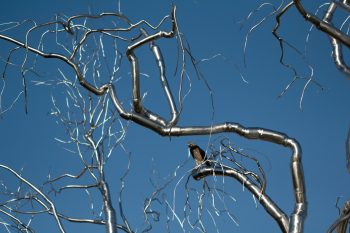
x: 197, y: 154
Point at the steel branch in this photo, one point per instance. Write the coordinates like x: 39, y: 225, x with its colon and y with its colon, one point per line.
x: 336, y: 45
x: 298, y: 216
x: 82, y: 81
x: 92, y: 221
x: 110, y: 215
x: 21, y: 227
x: 322, y: 25
x: 271, y: 208
x: 161, y: 66
x: 137, y: 105
x: 51, y: 204
x: 341, y: 224
x: 67, y: 175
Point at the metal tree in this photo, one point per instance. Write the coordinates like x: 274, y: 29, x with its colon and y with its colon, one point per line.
x: 99, y: 113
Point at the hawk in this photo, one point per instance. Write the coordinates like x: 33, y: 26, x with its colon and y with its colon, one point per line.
x: 197, y: 154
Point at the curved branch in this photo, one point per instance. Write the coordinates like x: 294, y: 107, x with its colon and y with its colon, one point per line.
x: 271, y: 208
x: 336, y: 45
x: 82, y: 81
x: 67, y: 175
x: 21, y: 226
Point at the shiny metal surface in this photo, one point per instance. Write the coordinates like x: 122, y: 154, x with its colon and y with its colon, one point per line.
x: 341, y: 224
x: 336, y: 44
x: 271, y: 208
x: 145, y: 118
x: 336, y: 36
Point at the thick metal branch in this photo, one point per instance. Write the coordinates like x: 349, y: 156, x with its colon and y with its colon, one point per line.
x: 336, y: 36
x: 298, y: 216
x: 111, y: 225
x: 149, y: 39
x: 160, y: 62
x: 336, y: 45
x: 271, y: 208
x: 322, y: 25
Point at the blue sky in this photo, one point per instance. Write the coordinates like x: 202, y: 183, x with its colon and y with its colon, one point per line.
x: 213, y: 30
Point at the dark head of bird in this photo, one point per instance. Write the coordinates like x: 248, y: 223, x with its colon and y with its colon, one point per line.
x: 192, y: 145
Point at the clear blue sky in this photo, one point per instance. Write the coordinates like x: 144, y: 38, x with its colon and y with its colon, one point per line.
x: 27, y: 141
